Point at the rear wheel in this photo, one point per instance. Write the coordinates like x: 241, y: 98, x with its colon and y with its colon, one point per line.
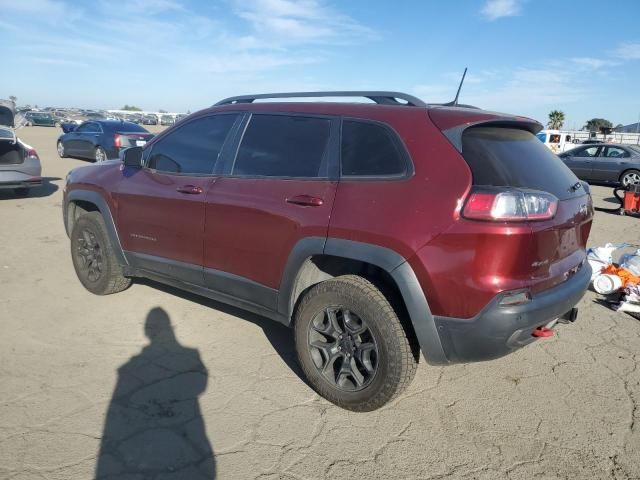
x: 630, y: 177
x: 351, y: 344
x: 93, y: 258
x: 100, y: 155
x: 61, y: 152
x: 21, y: 192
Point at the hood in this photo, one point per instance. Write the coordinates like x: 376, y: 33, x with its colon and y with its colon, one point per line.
x: 7, y: 113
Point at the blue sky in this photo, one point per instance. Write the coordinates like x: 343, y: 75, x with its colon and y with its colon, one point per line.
x: 524, y: 56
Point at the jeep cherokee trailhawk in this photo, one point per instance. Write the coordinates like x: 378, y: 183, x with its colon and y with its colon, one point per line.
x: 376, y: 230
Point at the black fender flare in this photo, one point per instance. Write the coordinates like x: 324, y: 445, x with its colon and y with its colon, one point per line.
x: 390, y: 261
x: 99, y: 201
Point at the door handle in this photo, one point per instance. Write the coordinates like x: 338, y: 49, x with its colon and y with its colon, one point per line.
x: 189, y: 189
x: 305, y: 201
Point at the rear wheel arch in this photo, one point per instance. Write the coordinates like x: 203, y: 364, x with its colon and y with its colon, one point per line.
x: 389, y: 272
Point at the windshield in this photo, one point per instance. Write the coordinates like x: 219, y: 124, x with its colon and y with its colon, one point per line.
x: 131, y: 127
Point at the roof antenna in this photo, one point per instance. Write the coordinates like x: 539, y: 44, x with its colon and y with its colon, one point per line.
x: 455, y: 100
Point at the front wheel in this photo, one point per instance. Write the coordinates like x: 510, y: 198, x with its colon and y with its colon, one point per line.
x: 351, y: 344
x: 631, y: 177
x: 93, y: 258
x: 100, y: 155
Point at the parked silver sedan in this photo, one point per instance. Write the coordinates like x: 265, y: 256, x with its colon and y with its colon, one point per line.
x: 20, y: 167
x: 605, y: 163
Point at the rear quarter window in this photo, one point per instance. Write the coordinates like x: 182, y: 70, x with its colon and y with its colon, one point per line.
x: 371, y: 150
x: 510, y: 157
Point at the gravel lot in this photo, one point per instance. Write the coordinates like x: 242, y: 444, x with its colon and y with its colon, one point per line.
x: 166, y: 377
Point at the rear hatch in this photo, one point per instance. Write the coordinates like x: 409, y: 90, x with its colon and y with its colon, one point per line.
x: 7, y: 113
x: 503, y: 154
x: 11, y: 152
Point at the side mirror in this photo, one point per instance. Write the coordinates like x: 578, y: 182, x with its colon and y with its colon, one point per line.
x: 132, y: 157
x: 68, y: 127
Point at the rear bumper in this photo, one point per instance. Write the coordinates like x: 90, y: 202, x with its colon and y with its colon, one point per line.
x: 18, y: 179
x: 25, y: 184
x: 499, y: 330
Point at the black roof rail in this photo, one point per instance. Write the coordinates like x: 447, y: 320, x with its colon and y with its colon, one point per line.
x: 382, y: 98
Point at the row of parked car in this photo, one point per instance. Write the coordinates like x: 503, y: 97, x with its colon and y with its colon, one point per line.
x: 56, y: 117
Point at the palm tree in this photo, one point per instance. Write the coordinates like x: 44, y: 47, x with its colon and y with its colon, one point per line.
x: 556, y: 119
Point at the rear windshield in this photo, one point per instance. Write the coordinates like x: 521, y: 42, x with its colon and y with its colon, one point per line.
x: 510, y: 157
x: 129, y: 127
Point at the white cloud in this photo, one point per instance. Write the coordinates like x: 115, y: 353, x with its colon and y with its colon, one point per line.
x: 628, y: 51
x: 495, y: 9
x: 518, y: 90
x: 593, y: 63
x: 278, y: 22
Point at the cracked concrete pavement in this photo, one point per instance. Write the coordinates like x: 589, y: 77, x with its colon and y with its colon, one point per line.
x: 98, y: 384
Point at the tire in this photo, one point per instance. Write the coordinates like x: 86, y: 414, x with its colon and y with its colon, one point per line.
x: 99, y: 155
x: 630, y: 177
x: 379, y: 361
x: 92, y: 254
x: 21, y: 191
x: 61, y: 151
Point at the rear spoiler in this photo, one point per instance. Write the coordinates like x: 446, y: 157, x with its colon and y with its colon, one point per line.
x: 453, y: 122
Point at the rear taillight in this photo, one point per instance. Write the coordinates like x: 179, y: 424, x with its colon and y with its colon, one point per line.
x: 509, y: 205
x: 117, y: 140
x: 31, y: 153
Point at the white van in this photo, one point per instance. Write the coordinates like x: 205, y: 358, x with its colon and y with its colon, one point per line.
x: 558, y: 141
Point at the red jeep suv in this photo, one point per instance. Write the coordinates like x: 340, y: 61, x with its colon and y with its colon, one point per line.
x: 376, y: 230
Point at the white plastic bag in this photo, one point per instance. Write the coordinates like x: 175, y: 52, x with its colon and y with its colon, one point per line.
x: 600, y: 257
x: 631, y: 262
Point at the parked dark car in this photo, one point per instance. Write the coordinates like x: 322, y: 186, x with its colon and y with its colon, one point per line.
x: 150, y: 120
x: 101, y: 139
x: 605, y: 163
x: 167, y: 120
x: 376, y: 231
x: 40, y: 119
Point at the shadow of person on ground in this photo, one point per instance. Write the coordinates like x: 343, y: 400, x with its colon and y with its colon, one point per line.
x: 280, y: 336
x: 154, y: 428
x: 47, y: 188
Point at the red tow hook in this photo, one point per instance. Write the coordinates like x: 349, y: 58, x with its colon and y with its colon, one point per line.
x: 543, y: 332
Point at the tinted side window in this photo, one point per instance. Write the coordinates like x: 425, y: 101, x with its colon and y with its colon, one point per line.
x: 284, y: 146
x: 193, y: 148
x: 369, y: 149
x: 615, y: 152
x: 85, y: 127
x: 587, y: 152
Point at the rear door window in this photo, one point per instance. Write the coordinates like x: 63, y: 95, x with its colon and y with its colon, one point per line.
x: 192, y: 149
x: 287, y: 146
x: 371, y: 150
x: 510, y: 157
x: 615, y: 152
